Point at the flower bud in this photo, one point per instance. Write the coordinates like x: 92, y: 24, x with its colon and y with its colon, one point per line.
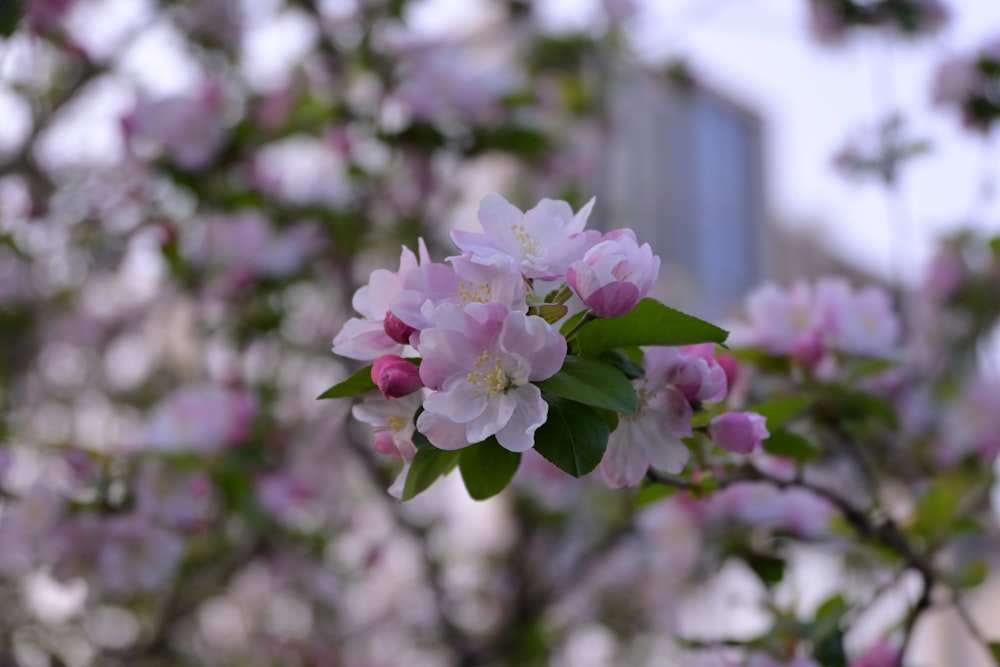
x: 397, y: 329
x: 615, y: 274
x: 395, y: 376
x: 739, y: 432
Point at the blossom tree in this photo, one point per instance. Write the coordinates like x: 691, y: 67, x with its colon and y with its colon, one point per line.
x: 198, y: 197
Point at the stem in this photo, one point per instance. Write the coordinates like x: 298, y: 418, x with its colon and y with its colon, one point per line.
x: 589, y: 317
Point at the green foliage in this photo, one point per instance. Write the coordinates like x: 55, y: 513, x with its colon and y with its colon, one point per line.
x: 791, y: 445
x: 649, y: 323
x: 526, y: 142
x: 487, y: 468
x: 623, y: 363
x: 593, y: 383
x: 971, y: 574
x: 10, y: 16
x: 356, y: 384
x: 779, y: 411
x: 573, y: 437
x: 995, y: 651
x: 427, y: 466
x: 770, y: 569
x: 826, y: 634
x: 841, y: 404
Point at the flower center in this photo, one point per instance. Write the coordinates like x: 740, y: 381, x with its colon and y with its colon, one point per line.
x: 493, y: 380
x: 396, y: 423
x: 475, y: 293
x: 526, y: 241
x: 642, y: 396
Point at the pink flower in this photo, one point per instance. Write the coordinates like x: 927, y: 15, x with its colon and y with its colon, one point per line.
x: 365, y: 338
x: 121, y: 554
x: 697, y: 375
x: 443, y: 81
x: 45, y: 17
x: 739, y: 432
x: 879, y: 654
x: 778, y: 319
x: 282, y: 493
x: 200, y: 418
x: 765, y: 660
x: 462, y: 282
x: 481, y: 360
x: 614, y: 274
x: 543, y: 241
x: 391, y: 422
x: 177, y: 498
x: 189, y: 130
x: 244, y: 246
x: 856, y: 322
x: 653, y: 435
x: 395, y: 376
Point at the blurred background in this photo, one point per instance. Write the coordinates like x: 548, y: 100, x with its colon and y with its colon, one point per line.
x: 192, y: 190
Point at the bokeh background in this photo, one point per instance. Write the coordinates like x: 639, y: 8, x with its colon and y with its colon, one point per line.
x: 190, y: 193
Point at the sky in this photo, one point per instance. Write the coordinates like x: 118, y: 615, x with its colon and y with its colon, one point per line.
x: 813, y: 99
x: 759, y: 52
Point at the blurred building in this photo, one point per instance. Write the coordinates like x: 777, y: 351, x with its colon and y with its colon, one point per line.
x: 684, y: 166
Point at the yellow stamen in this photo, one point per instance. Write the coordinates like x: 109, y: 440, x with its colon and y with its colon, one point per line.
x: 493, y: 381
x: 528, y: 245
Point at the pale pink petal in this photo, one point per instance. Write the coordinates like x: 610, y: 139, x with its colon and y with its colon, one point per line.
x: 518, y: 434
x: 442, y: 433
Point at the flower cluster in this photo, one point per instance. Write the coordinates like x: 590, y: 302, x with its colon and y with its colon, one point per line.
x: 484, y: 324
x: 813, y: 323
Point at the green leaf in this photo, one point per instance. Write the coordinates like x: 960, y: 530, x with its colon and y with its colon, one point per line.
x: 355, y: 385
x: 858, y: 369
x: 995, y: 650
x: 550, y: 312
x: 649, y: 323
x: 651, y: 493
x: 487, y: 468
x: 10, y: 16
x: 420, y: 441
x: 781, y: 410
x: 573, y: 436
x: 770, y: 569
x: 995, y: 246
x: 828, y: 617
x: 850, y: 405
x: 427, y: 466
x: 971, y: 574
x: 632, y: 370
x: 571, y: 322
x: 593, y: 383
x: 791, y: 445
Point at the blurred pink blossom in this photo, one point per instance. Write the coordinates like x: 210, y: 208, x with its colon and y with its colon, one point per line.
x: 879, y: 654
x: 739, y: 432
x: 189, y: 130
x: 200, y: 418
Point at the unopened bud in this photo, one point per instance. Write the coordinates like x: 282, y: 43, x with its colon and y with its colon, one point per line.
x: 395, y: 376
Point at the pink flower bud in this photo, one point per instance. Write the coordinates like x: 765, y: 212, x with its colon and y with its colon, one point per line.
x: 395, y: 376
x: 879, y: 654
x: 731, y: 365
x: 397, y: 329
x: 739, y: 432
x: 615, y: 274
